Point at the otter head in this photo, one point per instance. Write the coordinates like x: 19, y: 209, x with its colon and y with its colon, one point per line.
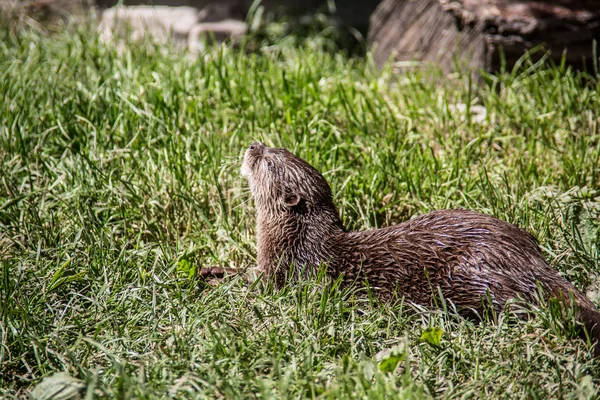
x: 282, y: 183
x: 296, y: 218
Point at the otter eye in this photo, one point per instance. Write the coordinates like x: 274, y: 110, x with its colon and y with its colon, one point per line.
x: 256, y: 145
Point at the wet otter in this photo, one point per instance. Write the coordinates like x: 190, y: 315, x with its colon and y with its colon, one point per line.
x: 468, y: 256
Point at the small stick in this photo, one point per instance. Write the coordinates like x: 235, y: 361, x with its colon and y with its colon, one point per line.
x: 217, y: 272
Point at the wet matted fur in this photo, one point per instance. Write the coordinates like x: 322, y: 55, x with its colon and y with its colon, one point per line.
x: 469, y: 258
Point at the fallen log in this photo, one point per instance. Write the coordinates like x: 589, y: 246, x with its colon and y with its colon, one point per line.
x: 480, y: 33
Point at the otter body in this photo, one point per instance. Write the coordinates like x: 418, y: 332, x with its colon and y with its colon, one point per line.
x: 468, y: 256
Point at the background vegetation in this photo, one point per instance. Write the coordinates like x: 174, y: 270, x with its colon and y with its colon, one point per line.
x: 119, y: 181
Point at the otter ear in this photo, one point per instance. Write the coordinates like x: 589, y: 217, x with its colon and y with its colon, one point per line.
x: 291, y: 199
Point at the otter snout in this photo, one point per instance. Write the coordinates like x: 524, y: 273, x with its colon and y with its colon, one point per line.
x: 253, y: 153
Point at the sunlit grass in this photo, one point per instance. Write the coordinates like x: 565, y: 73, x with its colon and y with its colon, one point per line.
x: 119, y: 180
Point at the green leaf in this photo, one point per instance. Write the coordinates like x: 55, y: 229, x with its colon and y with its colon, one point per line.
x: 432, y: 335
x: 390, y: 358
x: 390, y: 363
x: 186, y: 267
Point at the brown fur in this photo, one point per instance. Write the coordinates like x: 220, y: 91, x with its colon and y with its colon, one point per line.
x: 470, y: 257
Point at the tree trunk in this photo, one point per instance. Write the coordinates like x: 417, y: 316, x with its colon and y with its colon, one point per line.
x: 477, y: 33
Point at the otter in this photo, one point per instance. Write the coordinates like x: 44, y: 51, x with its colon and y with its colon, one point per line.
x: 472, y: 259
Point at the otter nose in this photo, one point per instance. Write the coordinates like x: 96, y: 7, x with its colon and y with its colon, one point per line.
x: 257, y: 146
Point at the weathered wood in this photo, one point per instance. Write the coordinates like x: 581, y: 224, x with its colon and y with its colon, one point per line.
x: 478, y: 32
x: 46, y: 13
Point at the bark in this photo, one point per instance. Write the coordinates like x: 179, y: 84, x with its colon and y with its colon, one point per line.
x: 478, y: 32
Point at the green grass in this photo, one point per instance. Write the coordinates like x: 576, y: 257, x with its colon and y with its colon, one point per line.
x: 119, y: 180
